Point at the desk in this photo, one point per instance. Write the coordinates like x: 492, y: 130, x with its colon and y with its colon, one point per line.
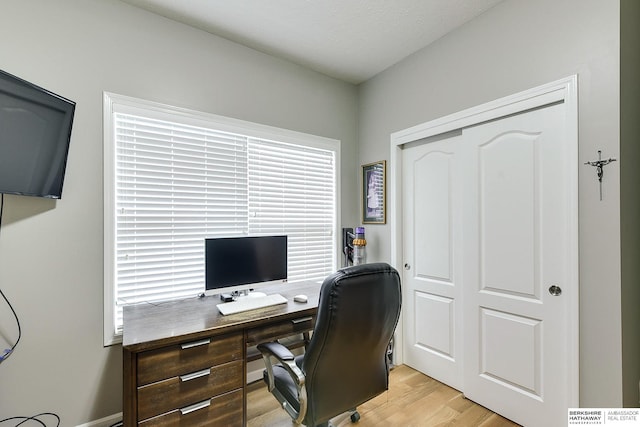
x: 186, y: 364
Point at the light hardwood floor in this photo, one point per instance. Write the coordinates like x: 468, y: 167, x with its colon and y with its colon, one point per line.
x: 413, y: 399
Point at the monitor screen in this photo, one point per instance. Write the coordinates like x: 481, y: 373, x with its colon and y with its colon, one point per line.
x: 240, y: 263
x: 35, y: 130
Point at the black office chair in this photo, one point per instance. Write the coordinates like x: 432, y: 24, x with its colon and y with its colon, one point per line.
x: 345, y: 363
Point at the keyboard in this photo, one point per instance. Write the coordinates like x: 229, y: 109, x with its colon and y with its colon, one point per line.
x: 250, y: 303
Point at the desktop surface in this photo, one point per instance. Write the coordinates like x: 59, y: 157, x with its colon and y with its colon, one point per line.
x: 147, y: 326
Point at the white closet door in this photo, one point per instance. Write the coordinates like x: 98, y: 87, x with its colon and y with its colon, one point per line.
x: 490, y: 280
x: 432, y: 248
x: 517, y: 280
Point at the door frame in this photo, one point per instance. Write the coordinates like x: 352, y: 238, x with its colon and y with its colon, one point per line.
x: 564, y: 91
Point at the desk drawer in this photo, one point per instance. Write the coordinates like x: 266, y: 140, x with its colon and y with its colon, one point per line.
x: 282, y: 329
x: 179, y: 392
x: 224, y: 410
x: 190, y: 356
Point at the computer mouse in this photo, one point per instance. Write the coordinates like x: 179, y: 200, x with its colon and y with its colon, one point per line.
x: 300, y: 298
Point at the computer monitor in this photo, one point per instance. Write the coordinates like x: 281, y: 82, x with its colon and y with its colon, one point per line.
x: 242, y: 263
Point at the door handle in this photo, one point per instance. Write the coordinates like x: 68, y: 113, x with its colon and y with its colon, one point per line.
x: 555, y: 290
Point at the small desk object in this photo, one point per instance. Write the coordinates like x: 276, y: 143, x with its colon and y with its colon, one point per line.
x: 186, y: 364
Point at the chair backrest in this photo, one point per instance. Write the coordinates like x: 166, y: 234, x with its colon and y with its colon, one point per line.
x: 346, y: 363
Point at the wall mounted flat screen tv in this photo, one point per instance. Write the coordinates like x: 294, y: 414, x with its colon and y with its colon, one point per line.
x: 242, y: 263
x: 35, y: 131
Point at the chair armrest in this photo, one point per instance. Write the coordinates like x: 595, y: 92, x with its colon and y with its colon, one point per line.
x: 287, y: 361
x: 277, y: 350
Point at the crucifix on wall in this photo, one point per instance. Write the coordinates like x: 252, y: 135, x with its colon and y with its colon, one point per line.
x: 600, y: 164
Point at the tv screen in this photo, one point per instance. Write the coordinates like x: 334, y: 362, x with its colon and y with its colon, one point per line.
x: 236, y: 263
x: 35, y: 131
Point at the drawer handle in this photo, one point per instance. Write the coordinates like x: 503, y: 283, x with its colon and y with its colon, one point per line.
x: 302, y: 320
x: 195, y: 343
x: 194, y: 375
x: 195, y: 407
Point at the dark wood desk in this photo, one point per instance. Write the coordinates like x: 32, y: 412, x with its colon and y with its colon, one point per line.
x: 186, y: 364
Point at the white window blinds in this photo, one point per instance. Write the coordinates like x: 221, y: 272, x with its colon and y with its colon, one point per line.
x: 175, y: 183
x: 291, y: 192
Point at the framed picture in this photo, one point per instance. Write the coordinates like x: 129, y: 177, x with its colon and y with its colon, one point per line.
x: 374, y: 193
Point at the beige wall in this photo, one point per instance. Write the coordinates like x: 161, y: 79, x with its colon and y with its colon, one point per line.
x: 51, y: 252
x: 515, y: 46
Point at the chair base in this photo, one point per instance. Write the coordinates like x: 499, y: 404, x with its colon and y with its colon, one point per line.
x: 355, y: 417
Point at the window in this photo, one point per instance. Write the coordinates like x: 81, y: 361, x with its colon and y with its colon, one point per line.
x: 174, y: 177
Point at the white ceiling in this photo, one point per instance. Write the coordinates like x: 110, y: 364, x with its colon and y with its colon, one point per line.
x: 352, y: 40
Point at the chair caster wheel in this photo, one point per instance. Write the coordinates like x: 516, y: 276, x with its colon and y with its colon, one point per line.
x: 355, y: 417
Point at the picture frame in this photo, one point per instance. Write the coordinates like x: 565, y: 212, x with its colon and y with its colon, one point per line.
x: 374, y: 191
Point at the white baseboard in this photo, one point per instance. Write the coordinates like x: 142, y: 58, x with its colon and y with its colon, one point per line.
x: 104, y: 422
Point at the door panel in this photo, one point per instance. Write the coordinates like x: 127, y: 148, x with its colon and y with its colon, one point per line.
x: 507, y: 216
x: 432, y: 309
x: 432, y: 325
x: 432, y: 213
x: 524, y: 337
x: 517, y: 246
